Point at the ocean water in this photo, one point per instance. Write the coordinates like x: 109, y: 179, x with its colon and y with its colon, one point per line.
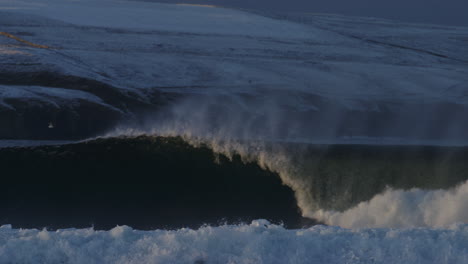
x: 151, y: 182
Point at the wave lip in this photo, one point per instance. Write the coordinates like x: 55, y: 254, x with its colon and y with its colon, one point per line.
x: 259, y: 242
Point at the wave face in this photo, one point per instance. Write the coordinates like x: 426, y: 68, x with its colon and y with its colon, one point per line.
x: 259, y: 242
x: 144, y: 182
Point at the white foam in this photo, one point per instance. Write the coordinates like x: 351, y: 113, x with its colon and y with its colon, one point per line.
x: 398, y: 208
x: 259, y: 242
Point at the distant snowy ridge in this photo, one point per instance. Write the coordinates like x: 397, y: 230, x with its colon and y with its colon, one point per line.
x: 259, y: 242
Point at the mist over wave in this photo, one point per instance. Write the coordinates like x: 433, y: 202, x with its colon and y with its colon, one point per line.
x: 330, y: 184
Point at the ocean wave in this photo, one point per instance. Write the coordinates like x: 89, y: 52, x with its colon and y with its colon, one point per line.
x: 360, y: 185
x: 210, y: 181
x: 263, y: 128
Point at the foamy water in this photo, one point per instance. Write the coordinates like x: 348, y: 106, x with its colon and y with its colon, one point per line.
x: 398, y: 208
x: 258, y: 242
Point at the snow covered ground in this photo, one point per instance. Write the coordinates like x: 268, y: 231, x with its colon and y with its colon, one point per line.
x: 352, y: 71
x: 55, y: 96
x: 259, y: 242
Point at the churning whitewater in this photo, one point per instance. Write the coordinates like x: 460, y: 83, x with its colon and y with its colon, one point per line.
x: 259, y: 242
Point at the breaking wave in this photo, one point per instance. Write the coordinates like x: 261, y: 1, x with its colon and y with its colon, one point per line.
x: 137, y: 180
x: 204, y: 160
x: 330, y: 181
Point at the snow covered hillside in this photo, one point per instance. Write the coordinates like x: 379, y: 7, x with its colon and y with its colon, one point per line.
x: 85, y: 66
